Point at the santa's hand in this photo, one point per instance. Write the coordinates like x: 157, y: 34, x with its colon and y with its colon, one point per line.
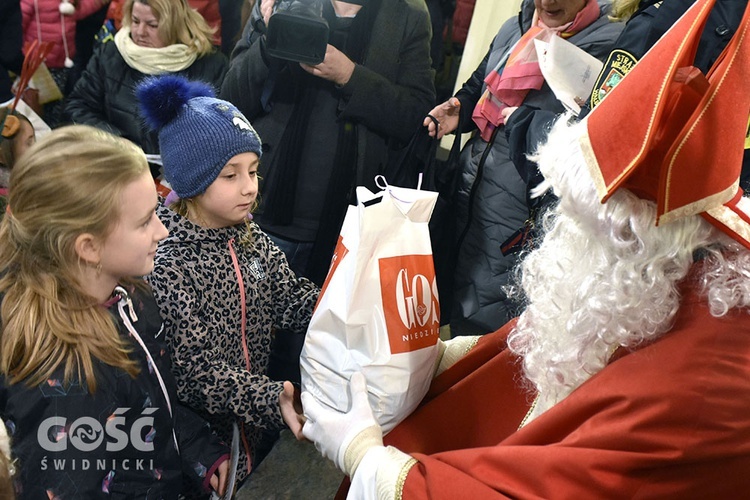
x: 450, y: 351
x: 343, y: 438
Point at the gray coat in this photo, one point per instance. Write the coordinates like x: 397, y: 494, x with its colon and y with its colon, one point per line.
x: 492, y: 199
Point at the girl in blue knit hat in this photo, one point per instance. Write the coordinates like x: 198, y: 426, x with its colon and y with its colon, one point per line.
x: 223, y: 287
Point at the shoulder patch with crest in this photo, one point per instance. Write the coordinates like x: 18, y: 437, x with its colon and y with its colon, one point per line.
x: 615, y: 68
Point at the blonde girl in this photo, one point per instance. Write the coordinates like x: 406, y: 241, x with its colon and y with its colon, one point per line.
x: 85, y: 389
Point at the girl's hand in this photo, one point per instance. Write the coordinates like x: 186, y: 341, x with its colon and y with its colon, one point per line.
x: 291, y: 409
x: 219, y: 479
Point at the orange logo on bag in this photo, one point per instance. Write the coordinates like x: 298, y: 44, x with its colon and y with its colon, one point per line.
x: 410, y: 302
x: 338, y: 256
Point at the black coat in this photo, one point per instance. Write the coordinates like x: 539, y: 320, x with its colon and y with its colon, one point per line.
x: 104, y: 97
x: 11, y: 40
x: 386, y: 100
x: 117, y: 442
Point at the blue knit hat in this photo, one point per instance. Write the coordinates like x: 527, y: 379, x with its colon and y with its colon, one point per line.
x: 198, y: 134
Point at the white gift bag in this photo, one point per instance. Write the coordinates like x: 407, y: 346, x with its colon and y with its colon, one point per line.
x: 378, y: 310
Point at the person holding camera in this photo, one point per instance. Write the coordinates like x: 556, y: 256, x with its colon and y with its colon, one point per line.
x: 331, y: 126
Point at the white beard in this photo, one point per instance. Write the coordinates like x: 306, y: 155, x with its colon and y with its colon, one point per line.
x: 604, y: 276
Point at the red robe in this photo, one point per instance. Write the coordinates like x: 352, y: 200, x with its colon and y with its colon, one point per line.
x: 669, y: 420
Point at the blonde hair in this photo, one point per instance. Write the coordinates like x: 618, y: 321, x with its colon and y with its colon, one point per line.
x: 178, y: 23
x: 68, y: 184
x: 189, y: 207
x: 623, y: 9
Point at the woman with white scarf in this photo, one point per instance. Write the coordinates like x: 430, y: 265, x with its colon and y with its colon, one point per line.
x: 157, y: 37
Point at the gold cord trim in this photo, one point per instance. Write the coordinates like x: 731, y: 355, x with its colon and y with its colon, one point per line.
x: 528, y: 413
x: 402, y: 477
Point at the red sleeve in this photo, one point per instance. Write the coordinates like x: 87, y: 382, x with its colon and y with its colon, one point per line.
x: 671, y: 420
x: 84, y: 8
x: 454, y: 412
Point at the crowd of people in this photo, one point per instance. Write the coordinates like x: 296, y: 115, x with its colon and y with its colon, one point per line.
x: 599, y: 292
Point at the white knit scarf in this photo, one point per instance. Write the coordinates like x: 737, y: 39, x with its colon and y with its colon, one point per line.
x: 151, y: 61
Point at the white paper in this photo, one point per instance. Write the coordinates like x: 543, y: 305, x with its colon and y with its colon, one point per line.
x: 568, y: 70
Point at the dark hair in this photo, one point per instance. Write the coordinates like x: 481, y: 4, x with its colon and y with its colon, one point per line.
x: 7, y: 157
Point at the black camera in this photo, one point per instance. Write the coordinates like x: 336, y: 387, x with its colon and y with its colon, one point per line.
x: 297, y: 31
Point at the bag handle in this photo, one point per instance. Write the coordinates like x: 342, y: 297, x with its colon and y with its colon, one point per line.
x: 414, y: 160
x: 444, y: 179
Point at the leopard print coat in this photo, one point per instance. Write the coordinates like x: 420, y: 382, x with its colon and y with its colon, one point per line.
x: 196, y: 287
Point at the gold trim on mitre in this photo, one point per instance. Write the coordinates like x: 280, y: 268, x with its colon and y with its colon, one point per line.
x: 698, y: 206
x: 587, y: 150
x: 724, y: 196
x: 730, y: 218
x: 638, y: 143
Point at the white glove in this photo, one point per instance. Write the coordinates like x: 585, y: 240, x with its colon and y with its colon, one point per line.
x: 343, y: 438
x: 452, y: 350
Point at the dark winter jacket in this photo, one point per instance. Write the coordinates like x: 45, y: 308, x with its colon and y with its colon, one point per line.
x: 492, y: 198
x: 11, y: 40
x: 118, y: 442
x: 651, y: 20
x: 196, y: 285
x: 104, y: 96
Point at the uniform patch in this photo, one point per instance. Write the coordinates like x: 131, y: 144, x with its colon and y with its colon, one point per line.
x: 617, y: 66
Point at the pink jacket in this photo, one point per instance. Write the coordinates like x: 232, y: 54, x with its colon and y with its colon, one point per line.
x: 51, y: 25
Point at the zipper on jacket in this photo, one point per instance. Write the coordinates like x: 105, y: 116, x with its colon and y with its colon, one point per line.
x: 126, y: 301
x: 243, y: 332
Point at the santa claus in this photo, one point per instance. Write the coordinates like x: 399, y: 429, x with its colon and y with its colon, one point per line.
x: 628, y: 373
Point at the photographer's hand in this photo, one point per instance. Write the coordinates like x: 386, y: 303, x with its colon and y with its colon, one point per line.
x: 266, y: 9
x: 336, y: 67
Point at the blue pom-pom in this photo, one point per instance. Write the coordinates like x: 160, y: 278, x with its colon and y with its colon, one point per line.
x: 161, y: 98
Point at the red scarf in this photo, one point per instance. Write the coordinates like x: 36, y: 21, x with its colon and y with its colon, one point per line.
x: 508, y: 84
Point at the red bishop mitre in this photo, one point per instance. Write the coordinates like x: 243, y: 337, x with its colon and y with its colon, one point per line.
x: 675, y: 136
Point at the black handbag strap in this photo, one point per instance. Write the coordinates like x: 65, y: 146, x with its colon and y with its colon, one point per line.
x: 419, y: 157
